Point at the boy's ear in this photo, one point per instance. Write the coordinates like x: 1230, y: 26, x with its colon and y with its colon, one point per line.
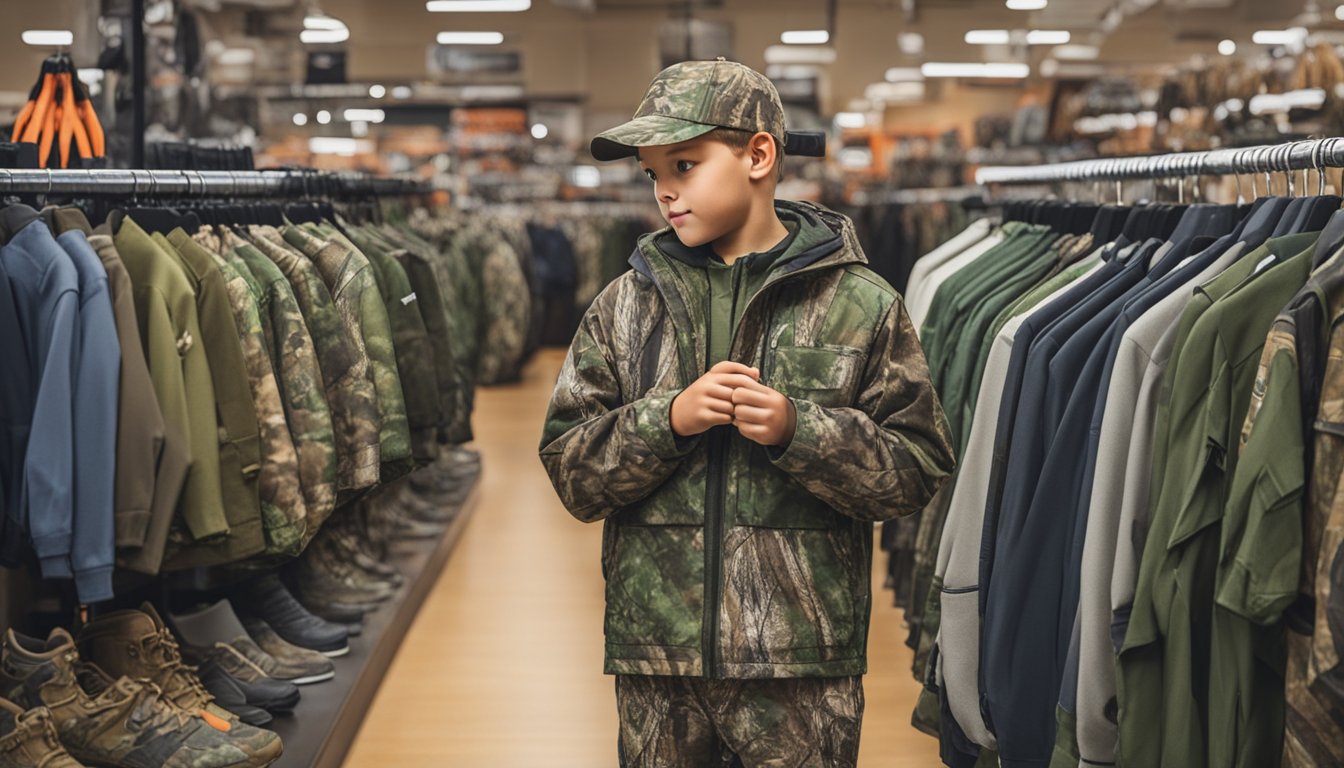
x: 764, y: 156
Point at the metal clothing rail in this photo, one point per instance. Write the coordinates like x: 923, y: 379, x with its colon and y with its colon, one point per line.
x: 135, y: 183
x: 1311, y: 154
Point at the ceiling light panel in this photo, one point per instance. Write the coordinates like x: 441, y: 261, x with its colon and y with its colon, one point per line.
x: 470, y: 38
x: 805, y: 37
x: 477, y: 6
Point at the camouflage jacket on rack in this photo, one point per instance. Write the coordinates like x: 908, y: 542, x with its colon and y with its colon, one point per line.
x: 724, y: 558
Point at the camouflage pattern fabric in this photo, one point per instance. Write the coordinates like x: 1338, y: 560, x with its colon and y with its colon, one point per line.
x: 452, y: 427
x: 670, y: 722
x: 294, y: 357
x: 283, y: 509
x: 1315, y: 671
x: 779, y: 584
x: 348, y: 276
x: 508, y: 315
x: 410, y: 340
x: 692, y: 98
x: 345, y: 367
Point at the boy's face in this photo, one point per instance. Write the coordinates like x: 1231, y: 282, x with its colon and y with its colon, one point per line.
x: 703, y: 187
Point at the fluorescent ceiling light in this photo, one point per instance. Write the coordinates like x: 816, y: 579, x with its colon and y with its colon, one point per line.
x: 1048, y: 37
x: 911, y: 43
x: 477, y: 6
x: 1278, y: 36
x: 320, y: 21
x: 903, y: 92
x: 975, y: 69
x: 48, y: 37
x: 377, y: 91
x: 850, y: 119
x: 903, y: 74
x: 799, y: 54
x: 1309, y: 98
x: 300, y: 119
x: 1076, y: 52
x: 586, y: 176
x: 336, y: 145
x: 401, y: 92
x: 987, y: 37
x: 323, y: 117
x: 236, y: 57
x: 805, y: 37
x: 470, y: 38
x: 1049, y: 68
x: 540, y: 131
x: 321, y: 36
x: 1227, y: 47
x: 1026, y: 5
x: 1339, y: 12
x: 365, y: 115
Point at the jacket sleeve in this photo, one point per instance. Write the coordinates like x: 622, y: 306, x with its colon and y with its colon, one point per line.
x: 890, y: 453
x: 603, y: 454
x: 49, y: 467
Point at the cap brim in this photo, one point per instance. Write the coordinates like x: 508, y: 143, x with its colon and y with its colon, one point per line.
x: 649, y: 131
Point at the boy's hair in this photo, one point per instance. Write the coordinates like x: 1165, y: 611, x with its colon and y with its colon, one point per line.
x: 738, y: 140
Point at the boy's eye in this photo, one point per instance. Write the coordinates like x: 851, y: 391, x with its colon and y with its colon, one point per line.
x: 652, y: 176
x: 684, y: 165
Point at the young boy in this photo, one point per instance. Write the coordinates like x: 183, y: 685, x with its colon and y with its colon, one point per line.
x: 738, y: 410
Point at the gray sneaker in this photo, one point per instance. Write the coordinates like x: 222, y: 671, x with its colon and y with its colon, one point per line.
x: 289, y: 657
x: 281, y: 660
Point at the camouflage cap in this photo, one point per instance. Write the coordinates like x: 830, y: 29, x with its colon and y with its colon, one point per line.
x: 692, y: 98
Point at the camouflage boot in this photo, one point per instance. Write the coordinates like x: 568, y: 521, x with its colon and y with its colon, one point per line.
x: 323, y: 574
x: 123, y: 723
x: 28, y: 739
x: 138, y: 645
x: 349, y: 544
x: 426, y: 508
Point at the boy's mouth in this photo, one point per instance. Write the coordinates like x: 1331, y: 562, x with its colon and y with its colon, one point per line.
x: 676, y: 217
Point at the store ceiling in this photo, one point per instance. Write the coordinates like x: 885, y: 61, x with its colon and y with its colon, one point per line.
x: 607, y: 55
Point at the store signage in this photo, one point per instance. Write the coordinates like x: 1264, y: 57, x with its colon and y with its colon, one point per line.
x: 462, y: 60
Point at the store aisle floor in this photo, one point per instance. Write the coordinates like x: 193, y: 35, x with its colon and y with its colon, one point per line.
x: 503, y: 666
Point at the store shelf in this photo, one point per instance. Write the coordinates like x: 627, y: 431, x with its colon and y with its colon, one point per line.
x: 320, y: 731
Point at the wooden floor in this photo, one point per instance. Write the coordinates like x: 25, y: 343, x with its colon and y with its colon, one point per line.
x: 503, y: 666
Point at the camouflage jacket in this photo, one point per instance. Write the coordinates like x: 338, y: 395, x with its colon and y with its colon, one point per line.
x: 723, y: 558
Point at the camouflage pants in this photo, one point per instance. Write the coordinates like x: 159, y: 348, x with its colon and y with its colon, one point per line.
x: 671, y: 722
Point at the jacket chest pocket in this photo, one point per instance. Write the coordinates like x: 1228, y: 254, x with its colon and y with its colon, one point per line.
x: 825, y: 375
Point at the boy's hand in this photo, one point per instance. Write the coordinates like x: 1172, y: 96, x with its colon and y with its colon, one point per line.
x: 709, y: 401
x: 763, y: 415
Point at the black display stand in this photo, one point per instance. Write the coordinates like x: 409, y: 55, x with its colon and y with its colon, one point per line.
x: 321, y: 730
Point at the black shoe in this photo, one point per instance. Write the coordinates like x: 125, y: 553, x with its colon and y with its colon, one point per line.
x: 268, y: 599
x: 275, y: 696
x: 229, y: 695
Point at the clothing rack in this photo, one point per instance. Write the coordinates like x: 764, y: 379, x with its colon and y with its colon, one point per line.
x: 134, y: 183
x: 1310, y: 154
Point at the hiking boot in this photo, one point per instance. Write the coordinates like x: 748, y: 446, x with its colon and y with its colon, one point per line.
x: 287, y: 654
x: 323, y: 575
x: 268, y: 599
x: 348, y: 544
x: 426, y: 509
x: 272, y: 695
x: 123, y: 722
x: 306, y: 669
x: 230, y: 696
x: 138, y: 645
x: 29, y: 740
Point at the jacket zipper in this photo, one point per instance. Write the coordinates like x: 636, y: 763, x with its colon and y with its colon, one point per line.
x: 716, y: 498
